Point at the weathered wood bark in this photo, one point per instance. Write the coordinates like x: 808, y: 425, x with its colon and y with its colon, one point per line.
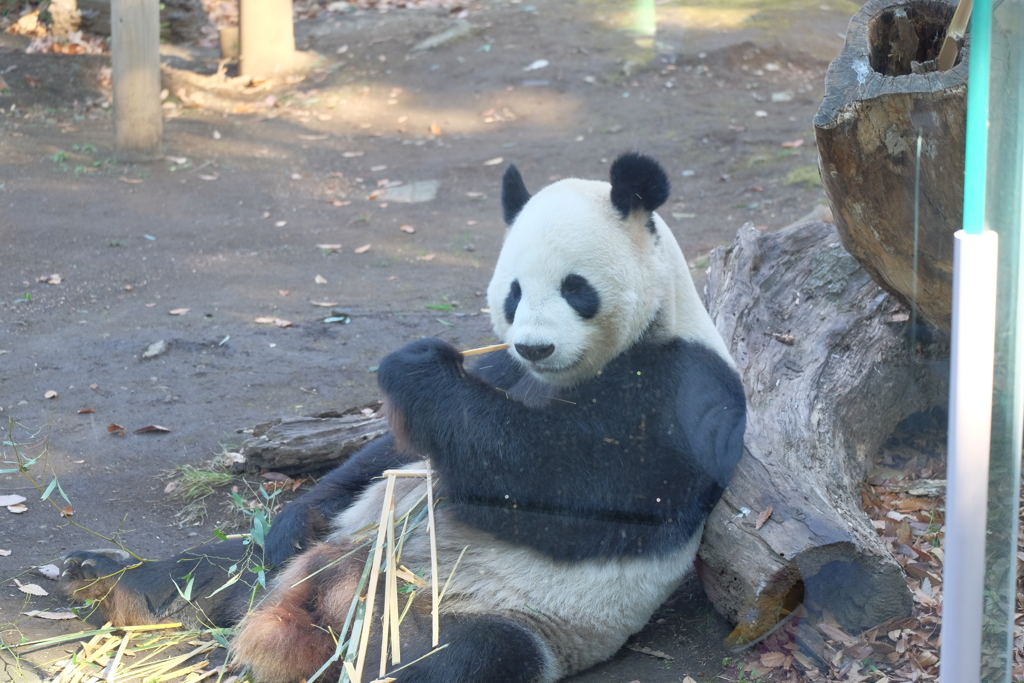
x: 135, y: 60
x: 310, y: 444
x: 829, y: 371
x: 867, y: 131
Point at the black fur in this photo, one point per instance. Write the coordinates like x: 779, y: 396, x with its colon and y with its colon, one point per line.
x: 307, y: 519
x: 514, y: 194
x: 638, y: 183
x: 482, y: 649
x: 515, y: 293
x: 581, y: 296
x: 628, y: 463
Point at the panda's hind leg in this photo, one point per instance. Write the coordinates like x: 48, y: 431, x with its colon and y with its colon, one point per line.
x: 290, y: 634
x: 482, y: 648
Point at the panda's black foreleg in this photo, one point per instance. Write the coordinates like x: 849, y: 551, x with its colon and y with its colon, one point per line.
x: 307, y: 519
x: 182, y: 589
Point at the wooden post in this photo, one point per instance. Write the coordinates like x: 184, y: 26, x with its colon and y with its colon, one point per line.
x: 266, y: 37
x: 138, y: 122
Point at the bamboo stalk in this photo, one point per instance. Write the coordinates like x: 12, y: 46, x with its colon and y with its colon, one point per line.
x: 391, y: 596
x: 485, y: 349
x: 435, y: 632
x: 112, y: 675
x: 957, y: 28
x: 364, y: 638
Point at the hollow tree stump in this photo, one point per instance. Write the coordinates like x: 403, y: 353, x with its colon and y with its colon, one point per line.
x: 828, y: 371
x: 867, y: 132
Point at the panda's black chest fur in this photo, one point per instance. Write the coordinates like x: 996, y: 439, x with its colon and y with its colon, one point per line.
x: 605, y: 468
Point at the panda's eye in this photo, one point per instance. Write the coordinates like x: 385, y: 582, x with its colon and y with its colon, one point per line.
x: 580, y: 295
x: 512, y: 301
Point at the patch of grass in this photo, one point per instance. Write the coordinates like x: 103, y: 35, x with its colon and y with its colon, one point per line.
x: 193, y: 485
x: 805, y: 175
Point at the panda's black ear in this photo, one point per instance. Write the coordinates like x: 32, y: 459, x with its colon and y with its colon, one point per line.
x: 638, y: 182
x: 513, y: 194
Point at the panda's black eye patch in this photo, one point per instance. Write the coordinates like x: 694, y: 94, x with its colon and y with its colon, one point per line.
x: 580, y: 295
x: 512, y: 301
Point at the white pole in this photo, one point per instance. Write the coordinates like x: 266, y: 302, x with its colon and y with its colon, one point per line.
x: 975, y: 262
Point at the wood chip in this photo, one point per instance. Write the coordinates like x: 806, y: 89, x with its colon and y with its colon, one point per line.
x: 763, y: 517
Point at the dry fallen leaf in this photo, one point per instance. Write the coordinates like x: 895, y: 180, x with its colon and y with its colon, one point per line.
x: 83, y: 411
x: 349, y: 155
x: 283, y: 292
x: 282, y: 323
x: 31, y: 82
x: 67, y: 511
x: 130, y: 180
x: 363, y: 249
x: 494, y: 162
x: 793, y: 144
x: 152, y: 428
x: 50, y: 615
x: 212, y: 176
x: 30, y: 588
x: 4, y: 553
x: 12, y: 499
x: 170, y: 487
x: 770, y: 660
x: 435, y: 129
x: 333, y: 248
x: 428, y: 257
x: 763, y: 517
x: 338, y: 202
x: 50, y: 571
x: 324, y: 304
x: 280, y: 224
x: 179, y: 311
x: 116, y: 429
x: 276, y: 476
x: 404, y: 227
x: 54, y: 279
x: 320, y: 280
x: 17, y: 508
x: 687, y: 679
x: 50, y: 394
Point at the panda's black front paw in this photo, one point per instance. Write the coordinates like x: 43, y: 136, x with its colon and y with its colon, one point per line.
x: 418, y: 364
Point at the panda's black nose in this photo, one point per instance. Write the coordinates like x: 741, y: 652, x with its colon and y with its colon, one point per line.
x: 535, y: 351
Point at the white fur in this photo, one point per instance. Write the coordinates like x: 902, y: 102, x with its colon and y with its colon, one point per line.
x: 581, y: 612
x: 572, y: 227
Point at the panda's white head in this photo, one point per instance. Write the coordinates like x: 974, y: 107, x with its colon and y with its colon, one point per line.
x: 587, y: 268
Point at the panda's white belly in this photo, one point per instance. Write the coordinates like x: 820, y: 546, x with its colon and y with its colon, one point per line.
x: 583, y: 611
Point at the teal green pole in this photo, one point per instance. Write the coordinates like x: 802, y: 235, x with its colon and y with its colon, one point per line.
x: 976, y: 158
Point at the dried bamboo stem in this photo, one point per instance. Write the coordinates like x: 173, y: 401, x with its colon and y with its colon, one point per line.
x: 434, y: 617
x: 391, y: 597
x: 112, y: 676
x: 364, y: 638
x: 485, y: 349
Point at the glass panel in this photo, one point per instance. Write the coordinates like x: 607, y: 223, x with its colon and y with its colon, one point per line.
x: 1003, y: 214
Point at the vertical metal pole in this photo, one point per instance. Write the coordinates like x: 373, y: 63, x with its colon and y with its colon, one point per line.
x: 138, y: 121
x: 975, y: 264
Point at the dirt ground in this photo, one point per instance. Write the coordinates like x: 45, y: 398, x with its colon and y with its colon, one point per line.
x: 228, y: 225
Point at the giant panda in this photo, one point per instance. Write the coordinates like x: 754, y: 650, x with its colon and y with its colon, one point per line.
x: 575, y: 470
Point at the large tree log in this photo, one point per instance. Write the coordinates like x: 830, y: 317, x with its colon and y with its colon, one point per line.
x: 867, y: 132
x: 829, y: 371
